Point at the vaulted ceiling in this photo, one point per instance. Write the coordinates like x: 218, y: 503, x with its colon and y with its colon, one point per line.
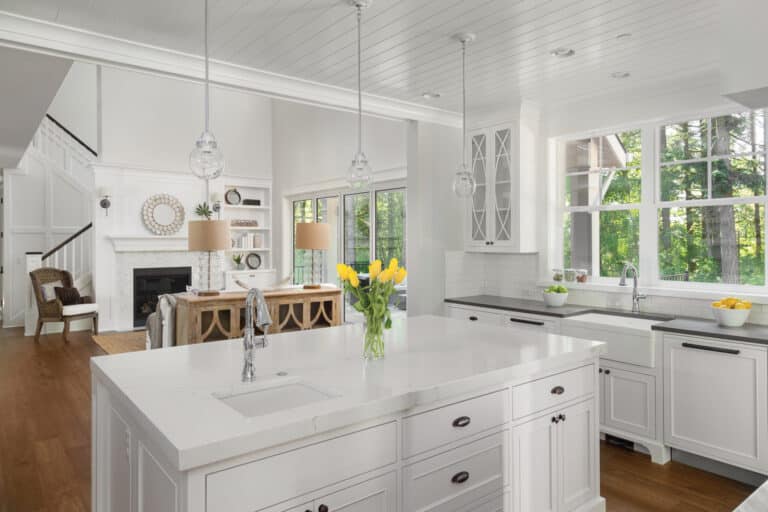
x: 407, y: 46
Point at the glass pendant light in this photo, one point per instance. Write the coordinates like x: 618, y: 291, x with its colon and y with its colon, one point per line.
x: 206, y: 161
x: 359, y: 174
x: 464, y: 182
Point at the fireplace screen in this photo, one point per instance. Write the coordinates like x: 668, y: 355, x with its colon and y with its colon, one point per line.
x: 150, y: 283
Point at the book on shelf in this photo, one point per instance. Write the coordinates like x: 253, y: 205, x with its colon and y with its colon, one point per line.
x: 248, y: 241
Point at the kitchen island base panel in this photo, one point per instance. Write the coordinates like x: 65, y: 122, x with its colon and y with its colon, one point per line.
x: 359, y: 465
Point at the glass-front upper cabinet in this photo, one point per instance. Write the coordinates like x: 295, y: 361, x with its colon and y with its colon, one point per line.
x: 493, y: 209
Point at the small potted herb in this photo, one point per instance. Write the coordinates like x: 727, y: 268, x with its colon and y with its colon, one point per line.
x: 203, y: 210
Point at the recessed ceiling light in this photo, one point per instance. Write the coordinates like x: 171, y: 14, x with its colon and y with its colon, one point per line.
x: 430, y: 95
x: 620, y: 74
x: 562, y: 52
x: 623, y: 35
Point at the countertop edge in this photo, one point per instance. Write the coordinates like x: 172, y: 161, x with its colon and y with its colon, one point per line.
x: 544, y: 312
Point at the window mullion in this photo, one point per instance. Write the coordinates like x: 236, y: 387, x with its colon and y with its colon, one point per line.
x: 648, y: 242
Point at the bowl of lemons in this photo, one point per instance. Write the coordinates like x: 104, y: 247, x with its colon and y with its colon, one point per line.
x: 731, y: 312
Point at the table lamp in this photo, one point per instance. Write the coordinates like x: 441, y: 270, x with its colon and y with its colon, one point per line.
x: 312, y: 236
x: 209, y: 236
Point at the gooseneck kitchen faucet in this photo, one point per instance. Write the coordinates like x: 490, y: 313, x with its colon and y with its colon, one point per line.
x: 255, y: 298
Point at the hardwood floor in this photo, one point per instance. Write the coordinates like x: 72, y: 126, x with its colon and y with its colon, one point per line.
x: 45, y: 441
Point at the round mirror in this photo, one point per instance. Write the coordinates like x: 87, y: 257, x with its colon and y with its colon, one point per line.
x: 163, y: 214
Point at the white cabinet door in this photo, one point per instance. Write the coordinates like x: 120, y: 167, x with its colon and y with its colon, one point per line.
x: 533, y: 466
x: 501, y: 199
x: 601, y: 398
x: 119, y: 476
x: 531, y: 322
x: 629, y: 402
x: 375, y: 495
x: 715, y: 400
x: 478, y: 235
x: 473, y: 315
x: 576, y: 447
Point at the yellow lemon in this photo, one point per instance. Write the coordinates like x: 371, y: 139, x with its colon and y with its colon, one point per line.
x: 740, y: 305
x: 730, y: 301
x: 747, y: 304
x: 717, y: 304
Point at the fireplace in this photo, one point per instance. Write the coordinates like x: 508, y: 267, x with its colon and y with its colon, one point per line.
x: 150, y: 283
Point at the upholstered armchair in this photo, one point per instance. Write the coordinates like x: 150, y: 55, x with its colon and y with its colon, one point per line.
x: 52, y: 309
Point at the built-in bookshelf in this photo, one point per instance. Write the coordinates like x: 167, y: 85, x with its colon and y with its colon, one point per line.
x: 250, y: 224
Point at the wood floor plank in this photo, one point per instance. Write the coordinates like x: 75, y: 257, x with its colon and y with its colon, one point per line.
x: 45, y: 451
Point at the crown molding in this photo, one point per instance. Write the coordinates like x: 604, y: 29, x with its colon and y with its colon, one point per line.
x: 62, y: 41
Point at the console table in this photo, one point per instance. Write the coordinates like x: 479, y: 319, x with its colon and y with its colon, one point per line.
x: 221, y: 317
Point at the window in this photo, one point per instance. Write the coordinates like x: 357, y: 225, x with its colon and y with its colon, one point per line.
x: 694, y: 212
x: 370, y: 223
x: 711, y: 215
x: 602, y: 198
x: 390, y: 225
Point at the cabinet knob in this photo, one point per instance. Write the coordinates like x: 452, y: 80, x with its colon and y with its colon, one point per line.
x: 458, y: 478
x: 554, y: 419
x: 561, y: 417
x: 607, y: 372
x: 462, y: 421
x: 600, y: 370
x: 558, y: 390
x: 322, y: 508
x: 473, y: 318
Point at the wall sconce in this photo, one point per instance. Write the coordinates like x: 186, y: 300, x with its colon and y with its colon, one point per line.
x: 105, y: 203
x: 216, y: 199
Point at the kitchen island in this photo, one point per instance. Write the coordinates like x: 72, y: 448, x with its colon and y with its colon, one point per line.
x: 457, y: 417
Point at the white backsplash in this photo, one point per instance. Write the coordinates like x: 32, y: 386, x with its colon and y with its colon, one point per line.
x: 516, y: 275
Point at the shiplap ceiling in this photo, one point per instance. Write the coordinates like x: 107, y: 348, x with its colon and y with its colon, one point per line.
x: 407, y: 46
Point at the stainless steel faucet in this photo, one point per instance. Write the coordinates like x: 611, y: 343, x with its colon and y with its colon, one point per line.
x: 636, y: 297
x: 263, y: 321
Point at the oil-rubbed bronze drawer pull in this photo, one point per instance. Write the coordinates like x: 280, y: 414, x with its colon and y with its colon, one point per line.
x: 473, y: 318
x: 460, y: 477
x: 558, y: 390
x: 462, y: 421
x: 731, y: 351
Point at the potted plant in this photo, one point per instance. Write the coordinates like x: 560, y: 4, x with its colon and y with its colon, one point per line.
x: 237, y: 259
x: 372, y: 300
x: 555, y: 296
x: 203, y: 210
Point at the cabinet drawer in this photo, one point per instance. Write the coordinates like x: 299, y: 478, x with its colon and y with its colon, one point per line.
x: 551, y: 391
x: 428, y: 430
x: 473, y: 315
x: 459, y: 477
x: 493, y: 503
x: 267, y: 481
x: 530, y: 322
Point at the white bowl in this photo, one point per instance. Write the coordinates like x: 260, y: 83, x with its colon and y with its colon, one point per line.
x: 555, y: 300
x: 730, y: 317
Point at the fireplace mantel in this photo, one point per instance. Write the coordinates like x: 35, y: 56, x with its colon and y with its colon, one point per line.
x: 148, y: 243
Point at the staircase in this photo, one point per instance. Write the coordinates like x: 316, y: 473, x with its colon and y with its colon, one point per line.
x: 66, y: 160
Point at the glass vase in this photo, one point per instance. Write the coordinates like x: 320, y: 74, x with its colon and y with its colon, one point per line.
x: 374, y: 338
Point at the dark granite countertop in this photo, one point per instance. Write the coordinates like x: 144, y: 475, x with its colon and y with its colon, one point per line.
x: 749, y: 333
x: 536, y: 307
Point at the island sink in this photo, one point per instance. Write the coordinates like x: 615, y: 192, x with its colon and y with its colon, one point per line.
x: 267, y: 400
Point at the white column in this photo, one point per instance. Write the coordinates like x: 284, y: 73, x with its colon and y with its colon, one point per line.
x: 34, y: 262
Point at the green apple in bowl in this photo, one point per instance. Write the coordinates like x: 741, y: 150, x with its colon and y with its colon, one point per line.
x: 555, y: 296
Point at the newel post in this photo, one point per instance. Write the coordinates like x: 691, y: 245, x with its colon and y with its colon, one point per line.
x: 34, y: 262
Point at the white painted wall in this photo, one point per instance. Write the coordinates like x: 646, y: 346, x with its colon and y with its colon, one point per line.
x: 75, y: 104
x: 152, y: 121
x: 312, y: 148
x: 435, y: 215
x: 29, y: 83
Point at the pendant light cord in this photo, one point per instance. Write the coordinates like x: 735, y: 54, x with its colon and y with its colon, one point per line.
x: 464, y: 103
x: 207, y: 85
x: 359, y: 84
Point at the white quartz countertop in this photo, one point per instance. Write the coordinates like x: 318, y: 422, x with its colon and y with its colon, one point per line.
x: 428, y: 358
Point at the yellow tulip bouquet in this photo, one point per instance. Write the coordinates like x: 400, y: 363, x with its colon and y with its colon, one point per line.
x: 373, y: 299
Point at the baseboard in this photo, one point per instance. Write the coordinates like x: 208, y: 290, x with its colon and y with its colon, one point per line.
x: 594, y: 505
x: 744, y: 476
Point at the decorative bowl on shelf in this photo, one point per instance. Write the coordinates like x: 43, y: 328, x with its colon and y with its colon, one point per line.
x: 555, y: 296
